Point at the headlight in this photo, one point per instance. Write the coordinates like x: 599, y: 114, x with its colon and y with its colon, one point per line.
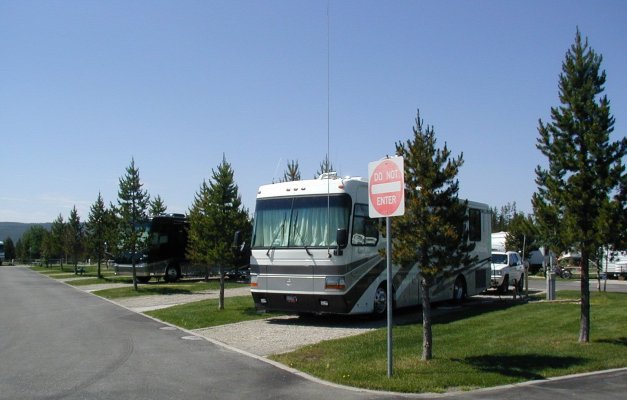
x: 497, y: 272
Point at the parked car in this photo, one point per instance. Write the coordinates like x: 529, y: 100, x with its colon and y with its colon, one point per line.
x: 507, y: 269
x: 239, y: 273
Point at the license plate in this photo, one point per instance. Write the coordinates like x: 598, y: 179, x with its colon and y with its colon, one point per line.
x: 291, y: 299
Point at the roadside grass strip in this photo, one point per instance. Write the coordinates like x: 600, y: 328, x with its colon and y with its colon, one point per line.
x: 162, y: 288
x: 57, y: 272
x: 85, y: 280
x: 477, y: 347
x: 205, y: 313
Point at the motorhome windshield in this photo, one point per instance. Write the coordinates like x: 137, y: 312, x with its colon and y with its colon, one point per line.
x: 161, y: 238
x: 300, y: 221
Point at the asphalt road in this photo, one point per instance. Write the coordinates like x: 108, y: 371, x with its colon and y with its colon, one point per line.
x: 57, y: 342
x: 612, y: 285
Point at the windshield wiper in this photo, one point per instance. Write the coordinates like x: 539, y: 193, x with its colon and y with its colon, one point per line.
x: 299, y: 235
x: 279, y: 231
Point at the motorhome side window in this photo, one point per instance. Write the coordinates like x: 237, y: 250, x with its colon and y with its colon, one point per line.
x: 474, y: 225
x: 365, y: 232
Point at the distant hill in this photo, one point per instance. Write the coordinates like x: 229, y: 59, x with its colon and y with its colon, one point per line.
x: 15, y: 230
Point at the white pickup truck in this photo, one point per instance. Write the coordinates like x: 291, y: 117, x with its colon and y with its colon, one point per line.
x: 507, y: 269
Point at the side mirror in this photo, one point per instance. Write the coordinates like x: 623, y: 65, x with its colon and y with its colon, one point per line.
x: 341, y: 238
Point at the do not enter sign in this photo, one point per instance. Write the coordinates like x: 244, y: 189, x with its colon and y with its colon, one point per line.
x: 386, y: 188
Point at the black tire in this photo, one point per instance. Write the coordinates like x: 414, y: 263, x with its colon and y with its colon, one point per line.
x: 566, y: 274
x: 459, y: 290
x: 520, y: 285
x: 505, y: 285
x: 380, y: 301
x: 171, y: 274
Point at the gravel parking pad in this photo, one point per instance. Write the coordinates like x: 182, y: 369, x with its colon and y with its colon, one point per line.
x: 282, y: 334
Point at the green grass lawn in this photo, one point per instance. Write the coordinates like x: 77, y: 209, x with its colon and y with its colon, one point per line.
x: 202, y: 314
x: 495, y: 346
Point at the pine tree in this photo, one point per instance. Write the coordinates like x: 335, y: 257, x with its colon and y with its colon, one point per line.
x: 292, y: 172
x: 521, y: 233
x: 58, y: 239
x: 584, y: 167
x: 157, y: 206
x: 75, y: 236
x: 199, y: 231
x: 97, y: 229
x: 9, y: 249
x: 215, y: 216
x: 132, y: 206
x: 430, y: 233
x: 325, y: 167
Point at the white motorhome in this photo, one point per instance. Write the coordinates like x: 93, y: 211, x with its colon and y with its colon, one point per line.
x: 315, y: 250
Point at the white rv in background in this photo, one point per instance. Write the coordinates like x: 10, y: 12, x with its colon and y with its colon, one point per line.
x: 315, y: 250
x: 537, y: 258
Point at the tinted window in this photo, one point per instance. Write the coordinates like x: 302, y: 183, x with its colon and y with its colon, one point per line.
x: 474, y: 225
x: 515, y: 259
x: 365, y: 232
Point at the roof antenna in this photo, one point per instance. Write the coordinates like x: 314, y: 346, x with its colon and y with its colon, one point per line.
x: 276, y: 169
x: 329, y: 125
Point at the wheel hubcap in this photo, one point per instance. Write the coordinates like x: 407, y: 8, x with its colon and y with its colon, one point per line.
x: 380, y: 301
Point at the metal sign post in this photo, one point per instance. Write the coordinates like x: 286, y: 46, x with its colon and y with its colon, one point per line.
x: 386, y: 198
x: 390, y: 299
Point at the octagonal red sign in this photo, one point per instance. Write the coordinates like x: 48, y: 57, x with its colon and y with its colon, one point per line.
x: 386, y: 188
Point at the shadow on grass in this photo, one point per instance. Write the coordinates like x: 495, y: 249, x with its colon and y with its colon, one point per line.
x: 622, y: 341
x: 163, y: 290
x: 473, y: 308
x: 528, y: 367
x: 443, y: 313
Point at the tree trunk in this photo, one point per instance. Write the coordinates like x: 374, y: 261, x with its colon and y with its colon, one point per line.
x: 584, y: 326
x: 221, y: 300
x: 427, y: 334
x: 134, y: 275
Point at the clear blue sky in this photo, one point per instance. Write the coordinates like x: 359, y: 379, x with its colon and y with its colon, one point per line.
x: 85, y: 86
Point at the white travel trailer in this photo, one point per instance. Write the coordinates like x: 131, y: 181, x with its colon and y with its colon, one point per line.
x: 315, y: 250
x: 614, y: 263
